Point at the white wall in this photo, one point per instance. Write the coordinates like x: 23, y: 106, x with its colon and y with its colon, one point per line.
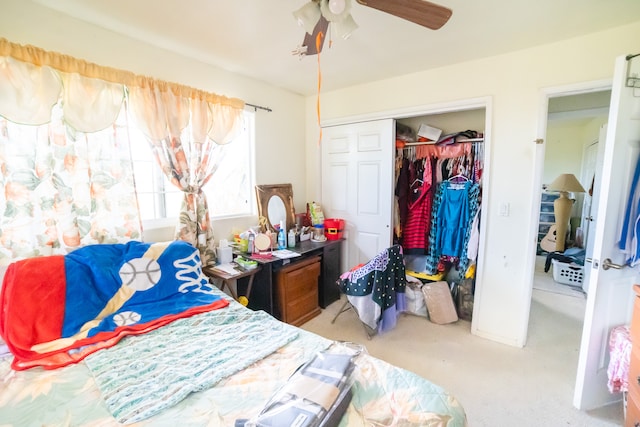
x: 514, y: 82
x: 566, y: 142
x: 278, y: 132
x: 563, y: 151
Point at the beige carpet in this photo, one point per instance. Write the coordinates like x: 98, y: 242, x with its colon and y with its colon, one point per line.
x: 498, y: 385
x: 544, y: 281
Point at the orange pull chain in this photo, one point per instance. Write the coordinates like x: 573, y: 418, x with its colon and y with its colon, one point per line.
x: 318, y: 46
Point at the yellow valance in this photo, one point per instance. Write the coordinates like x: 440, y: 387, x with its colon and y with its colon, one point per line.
x: 32, y: 80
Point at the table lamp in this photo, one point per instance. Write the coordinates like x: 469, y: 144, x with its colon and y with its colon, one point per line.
x: 564, y: 184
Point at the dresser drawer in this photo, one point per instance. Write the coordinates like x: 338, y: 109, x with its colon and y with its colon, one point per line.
x: 297, y: 291
x: 302, y: 309
x: 635, y: 323
x: 303, y: 281
x: 634, y: 372
x: 633, y: 411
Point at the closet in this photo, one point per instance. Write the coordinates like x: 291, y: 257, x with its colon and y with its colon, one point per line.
x: 438, y: 195
x: 360, y: 169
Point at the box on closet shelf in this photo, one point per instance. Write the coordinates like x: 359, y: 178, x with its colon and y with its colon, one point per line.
x: 430, y: 133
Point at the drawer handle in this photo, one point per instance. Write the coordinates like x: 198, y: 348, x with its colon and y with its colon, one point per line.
x: 638, y: 379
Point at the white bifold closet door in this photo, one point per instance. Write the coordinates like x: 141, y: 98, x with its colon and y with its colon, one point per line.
x: 357, y: 185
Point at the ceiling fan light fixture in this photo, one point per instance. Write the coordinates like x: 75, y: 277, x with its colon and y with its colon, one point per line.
x: 337, y: 6
x: 341, y: 8
x: 345, y: 28
x: 308, y: 16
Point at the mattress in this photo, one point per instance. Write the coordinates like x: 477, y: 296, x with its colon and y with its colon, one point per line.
x: 382, y: 394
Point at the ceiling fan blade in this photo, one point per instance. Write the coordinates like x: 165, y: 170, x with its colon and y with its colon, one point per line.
x: 421, y: 12
x: 310, y: 39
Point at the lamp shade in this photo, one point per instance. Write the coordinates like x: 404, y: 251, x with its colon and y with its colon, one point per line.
x: 345, y: 27
x: 308, y: 16
x: 566, y: 182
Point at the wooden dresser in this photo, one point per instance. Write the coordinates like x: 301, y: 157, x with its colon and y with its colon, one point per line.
x: 297, y: 290
x: 264, y: 294
x: 633, y: 395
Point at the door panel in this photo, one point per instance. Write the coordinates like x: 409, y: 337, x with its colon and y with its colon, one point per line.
x: 592, y: 202
x: 610, y: 296
x: 357, y: 185
x: 369, y: 202
x: 338, y: 174
x: 589, y: 167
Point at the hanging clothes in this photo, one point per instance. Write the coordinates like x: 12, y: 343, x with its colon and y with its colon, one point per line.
x: 402, y: 198
x: 469, y: 253
x: 629, y: 240
x: 435, y: 209
x: 453, y: 218
x: 418, y: 222
x: 450, y: 234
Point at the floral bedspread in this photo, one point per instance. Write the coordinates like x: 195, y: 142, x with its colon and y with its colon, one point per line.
x: 383, y: 395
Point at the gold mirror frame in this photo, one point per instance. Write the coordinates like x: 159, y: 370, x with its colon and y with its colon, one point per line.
x: 264, y: 193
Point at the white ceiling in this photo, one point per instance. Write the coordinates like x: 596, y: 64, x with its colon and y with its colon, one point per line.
x: 256, y: 37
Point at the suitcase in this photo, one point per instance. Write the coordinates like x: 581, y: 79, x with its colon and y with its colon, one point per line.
x: 316, y: 395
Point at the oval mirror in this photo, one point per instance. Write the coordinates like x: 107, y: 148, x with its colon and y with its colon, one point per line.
x: 276, y: 210
x: 275, y: 204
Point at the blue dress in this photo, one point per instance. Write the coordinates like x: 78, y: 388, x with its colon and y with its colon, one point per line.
x: 453, y: 218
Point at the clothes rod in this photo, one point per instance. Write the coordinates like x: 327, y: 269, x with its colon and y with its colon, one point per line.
x: 258, y: 107
x: 413, y: 144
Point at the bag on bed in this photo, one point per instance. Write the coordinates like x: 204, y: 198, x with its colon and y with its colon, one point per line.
x: 316, y: 395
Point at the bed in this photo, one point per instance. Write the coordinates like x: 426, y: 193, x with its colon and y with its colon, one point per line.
x: 209, y: 367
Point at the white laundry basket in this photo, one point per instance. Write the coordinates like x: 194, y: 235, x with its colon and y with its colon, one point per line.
x: 567, y: 274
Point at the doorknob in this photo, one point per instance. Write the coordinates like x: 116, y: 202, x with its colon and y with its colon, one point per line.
x: 607, y: 264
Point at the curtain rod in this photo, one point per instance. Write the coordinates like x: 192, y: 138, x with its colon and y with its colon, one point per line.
x: 256, y: 107
x: 629, y: 57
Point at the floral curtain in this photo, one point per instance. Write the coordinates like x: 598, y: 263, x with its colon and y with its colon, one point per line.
x: 183, y: 132
x: 66, y: 173
x: 64, y: 159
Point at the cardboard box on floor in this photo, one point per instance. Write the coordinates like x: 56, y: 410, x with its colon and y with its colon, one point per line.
x: 440, y: 306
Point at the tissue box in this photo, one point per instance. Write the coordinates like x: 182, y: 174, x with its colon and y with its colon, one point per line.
x: 431, y: 133
x: 305, y: 234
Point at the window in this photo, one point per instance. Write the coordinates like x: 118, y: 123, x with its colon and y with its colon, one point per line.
x: 229, y: 190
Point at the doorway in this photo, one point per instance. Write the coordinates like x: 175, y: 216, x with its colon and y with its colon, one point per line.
x: 572, y: 135
x: 574, y: 117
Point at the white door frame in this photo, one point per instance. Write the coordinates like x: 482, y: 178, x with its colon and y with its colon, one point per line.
x: 545, y: 95
x: 439, y: 108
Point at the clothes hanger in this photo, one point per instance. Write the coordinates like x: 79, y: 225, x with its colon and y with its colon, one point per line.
x: 458, y: 179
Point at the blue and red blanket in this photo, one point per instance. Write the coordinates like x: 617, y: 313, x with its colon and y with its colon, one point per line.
x: 57, y: 310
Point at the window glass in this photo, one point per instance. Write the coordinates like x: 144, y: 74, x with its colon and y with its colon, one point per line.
x: 229, y: 190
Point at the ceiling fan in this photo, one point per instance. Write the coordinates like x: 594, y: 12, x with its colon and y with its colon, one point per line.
x: 316, y: 15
